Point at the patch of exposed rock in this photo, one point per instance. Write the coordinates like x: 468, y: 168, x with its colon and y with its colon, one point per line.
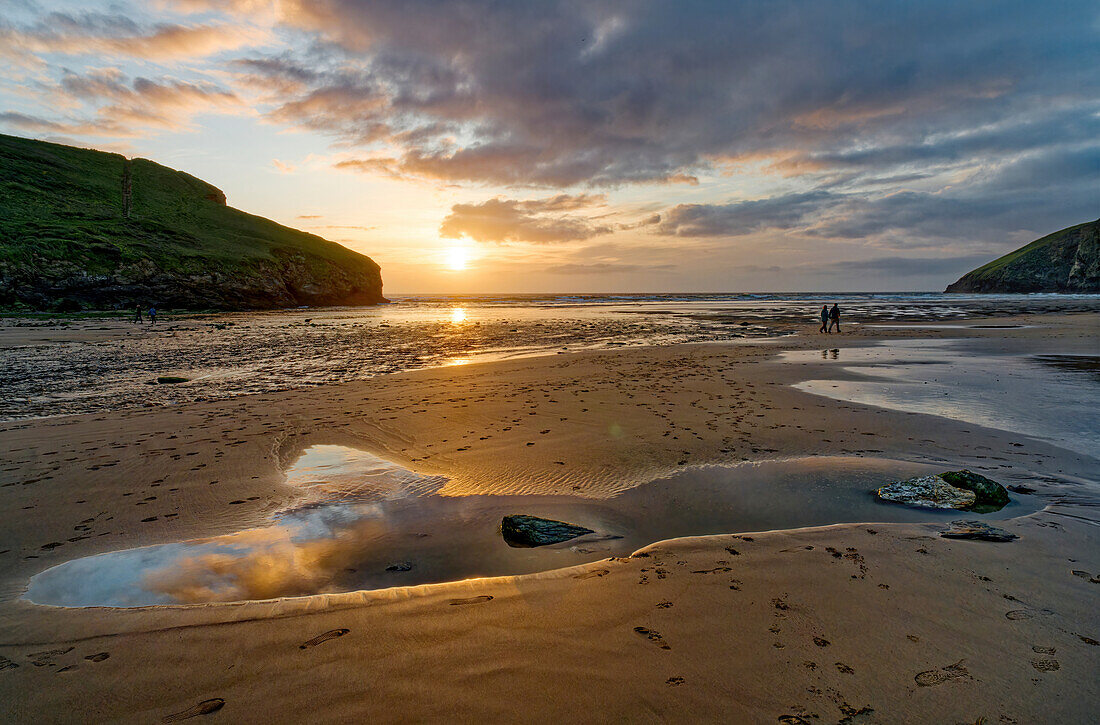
x: 976, y: 530
x: 524, y: 531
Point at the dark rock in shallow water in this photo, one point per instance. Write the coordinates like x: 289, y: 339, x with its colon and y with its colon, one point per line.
x: 400, y: 566
x: 170, y: 380
x: 976, y: 530
x: 989, y: 493
x: 529, y: 531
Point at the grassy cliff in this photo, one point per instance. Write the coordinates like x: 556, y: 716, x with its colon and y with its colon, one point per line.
x: 1065, y: 261
x: 88, y: 229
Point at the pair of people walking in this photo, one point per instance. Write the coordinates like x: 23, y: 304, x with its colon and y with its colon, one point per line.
x: 152, y: 314
x: 830, y: 318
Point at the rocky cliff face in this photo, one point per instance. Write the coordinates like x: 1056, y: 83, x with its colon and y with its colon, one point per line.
x: 292, y: 281
x: 83, y: 229
x: 1065, y: 261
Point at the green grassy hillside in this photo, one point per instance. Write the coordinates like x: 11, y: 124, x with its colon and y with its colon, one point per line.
x: 71, y: 235
x: 1065, y: 261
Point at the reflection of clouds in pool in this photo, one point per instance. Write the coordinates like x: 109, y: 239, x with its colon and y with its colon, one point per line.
x: 262, y: 564
x: 308, y: 547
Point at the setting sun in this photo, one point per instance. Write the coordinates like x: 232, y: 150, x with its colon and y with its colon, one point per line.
x: 457, y: 258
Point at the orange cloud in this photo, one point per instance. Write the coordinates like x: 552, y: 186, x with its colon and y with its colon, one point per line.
x: 163, y: 42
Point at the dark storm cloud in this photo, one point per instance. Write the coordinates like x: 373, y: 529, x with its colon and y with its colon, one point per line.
x: 606, y: 93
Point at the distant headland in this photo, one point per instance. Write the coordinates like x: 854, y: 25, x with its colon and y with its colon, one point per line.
x: 1065, y: 261
x: 83, y: 229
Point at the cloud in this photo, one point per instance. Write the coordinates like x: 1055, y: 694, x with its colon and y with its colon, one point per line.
x: 283, y: 168
x: 537, y: 220
x: 745, y: 217
x: 115, y: 105
x: 600, y: 268
x: 106, y: 34
x: 905, y: 266
x: 604, y: 93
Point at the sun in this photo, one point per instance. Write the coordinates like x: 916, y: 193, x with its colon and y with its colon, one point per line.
x: 457, y: 258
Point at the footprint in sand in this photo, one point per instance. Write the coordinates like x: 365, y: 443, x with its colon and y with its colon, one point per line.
x: 664, y: 605
x: 471, y: 600
x: 1045, y: 664
x: 325, y: 637
x: 653, y: 636
x: 674, y: 681
x: 931, y: 678
x: 1017, y: 614
x: 98, y: 657
x: 590, y: 574
x: 203, y: 708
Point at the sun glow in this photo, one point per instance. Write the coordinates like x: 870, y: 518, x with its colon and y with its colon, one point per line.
x: 458, y: 315
x: 457, y: 258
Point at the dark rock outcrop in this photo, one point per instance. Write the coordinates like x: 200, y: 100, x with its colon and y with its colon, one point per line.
x: 1065, y: 261
x: 988, y: 492
x: 523, y: 531
x: 83, y: 229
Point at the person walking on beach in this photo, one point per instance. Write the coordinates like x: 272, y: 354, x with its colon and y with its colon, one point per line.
x: 137, y: 314
x: 834, y: 318
x: 152, y: 315
x: 824, y: 318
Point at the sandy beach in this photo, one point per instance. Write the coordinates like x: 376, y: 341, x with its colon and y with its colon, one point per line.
x: 858, y: 622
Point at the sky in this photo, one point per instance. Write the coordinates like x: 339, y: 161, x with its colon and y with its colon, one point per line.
x: 480, y: 146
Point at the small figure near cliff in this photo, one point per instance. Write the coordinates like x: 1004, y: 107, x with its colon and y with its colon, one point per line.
x: 152, y: 315
x: 137, y: 314
x: 834, y: 318
x: 824, y: 318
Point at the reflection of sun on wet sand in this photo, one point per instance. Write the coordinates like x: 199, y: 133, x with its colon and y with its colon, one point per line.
x: 875, y: 621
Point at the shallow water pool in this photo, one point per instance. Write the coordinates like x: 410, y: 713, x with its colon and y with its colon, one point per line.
x: 371, y: 524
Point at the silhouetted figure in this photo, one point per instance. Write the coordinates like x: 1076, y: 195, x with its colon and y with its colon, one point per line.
x: 152, y: 315
x: 824, y: 318
x: 137, y: 314
x: 834, y: 318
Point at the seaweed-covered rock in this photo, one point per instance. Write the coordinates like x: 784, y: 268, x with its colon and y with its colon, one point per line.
x: 989, y: 492
x: 927, y: 492
x: 976, y: 530
x: 529, y: 531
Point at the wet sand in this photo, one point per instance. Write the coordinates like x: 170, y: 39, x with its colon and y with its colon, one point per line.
x: 861, y: 622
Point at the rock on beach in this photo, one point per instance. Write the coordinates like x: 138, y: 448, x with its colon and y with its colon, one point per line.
x: 528, y: 531
x: 928, y: 492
